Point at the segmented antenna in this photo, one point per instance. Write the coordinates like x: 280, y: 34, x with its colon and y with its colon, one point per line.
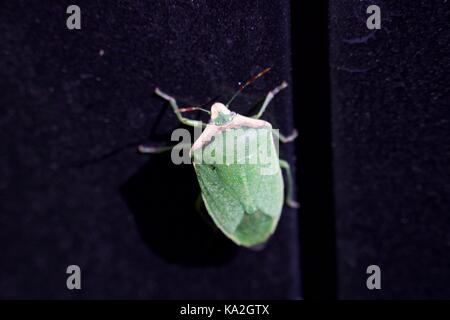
x: 190, y: 109
x: 248, y: 82
x: 199, y: 108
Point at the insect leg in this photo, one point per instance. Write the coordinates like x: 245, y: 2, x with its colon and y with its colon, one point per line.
x: 149, y: 149
x: 269, y: 98
x: 176, y: 110
x: 286, y: 139
x: 290, y: 185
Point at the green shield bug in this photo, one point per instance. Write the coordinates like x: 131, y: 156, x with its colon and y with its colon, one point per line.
x: 238, y: 169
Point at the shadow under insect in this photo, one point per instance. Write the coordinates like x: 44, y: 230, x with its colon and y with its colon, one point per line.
x: 162, y: 197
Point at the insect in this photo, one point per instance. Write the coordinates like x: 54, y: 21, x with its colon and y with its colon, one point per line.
x: 244, y: 202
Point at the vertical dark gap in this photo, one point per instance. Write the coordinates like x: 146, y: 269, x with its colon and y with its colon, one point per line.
x: 313, y: 119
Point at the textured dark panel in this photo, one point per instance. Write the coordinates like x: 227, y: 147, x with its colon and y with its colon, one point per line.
x: 312, y: 108
x: 391, y: 133
x: 74, y: 106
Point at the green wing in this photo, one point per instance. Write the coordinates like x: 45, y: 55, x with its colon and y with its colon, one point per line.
x: 242, y: 201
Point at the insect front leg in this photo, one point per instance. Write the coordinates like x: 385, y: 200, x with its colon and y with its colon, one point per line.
x: 290, y: 185
x: 269, y: 98
x: 176, y: 110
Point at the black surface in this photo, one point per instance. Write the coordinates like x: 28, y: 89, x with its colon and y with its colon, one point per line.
x: 391, y: 136
x: 373, y: 153
x: 75, y: 104
x: 312, y: 106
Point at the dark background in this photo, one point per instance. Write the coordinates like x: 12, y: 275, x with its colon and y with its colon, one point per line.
x: 391, y: 147
x: 373, y: 154
x: 75, y: 190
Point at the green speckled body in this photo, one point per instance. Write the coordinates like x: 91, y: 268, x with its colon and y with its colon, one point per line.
x: 243, y: 200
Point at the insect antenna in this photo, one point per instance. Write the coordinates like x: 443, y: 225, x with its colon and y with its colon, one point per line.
x: 190, y: 109
x: 248, y: 82
x: 199, y: 108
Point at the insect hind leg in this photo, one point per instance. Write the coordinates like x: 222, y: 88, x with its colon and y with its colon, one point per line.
x: 286, y: 139
x: 290, y: 185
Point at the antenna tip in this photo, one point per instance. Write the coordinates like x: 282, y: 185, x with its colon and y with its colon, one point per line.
x: 264, y: 71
